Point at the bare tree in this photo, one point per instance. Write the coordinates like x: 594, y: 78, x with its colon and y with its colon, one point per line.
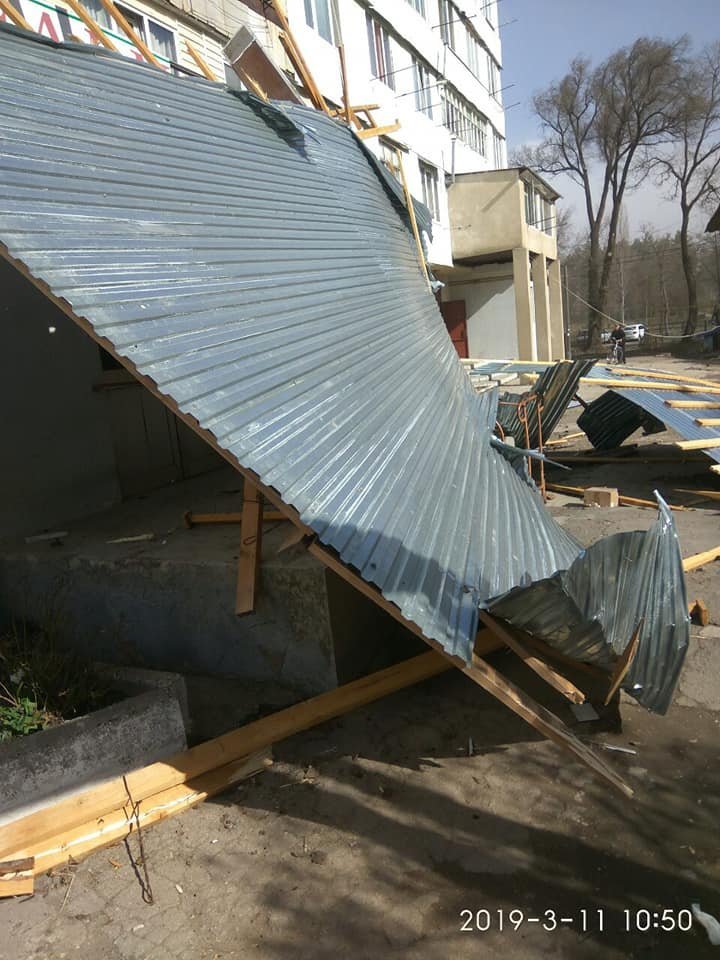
x: 596, y: 125
x: 691, y: 164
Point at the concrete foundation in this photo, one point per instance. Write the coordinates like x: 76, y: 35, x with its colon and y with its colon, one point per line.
x: 169, y: 603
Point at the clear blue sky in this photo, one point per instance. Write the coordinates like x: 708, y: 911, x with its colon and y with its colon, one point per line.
x: 549, y: 33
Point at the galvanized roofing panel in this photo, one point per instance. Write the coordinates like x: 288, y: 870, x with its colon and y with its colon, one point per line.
x: 612, y: 418
x: 257, y: 271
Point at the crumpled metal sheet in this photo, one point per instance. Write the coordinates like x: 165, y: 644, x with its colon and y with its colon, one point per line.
x: 591, y: 610
x: 556, y: 385
x: 258, y: 274
x: 612, y: 418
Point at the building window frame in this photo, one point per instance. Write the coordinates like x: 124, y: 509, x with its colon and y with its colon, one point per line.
x: 319, y: 17
x: 464, y: 120
x: 379, y: 45
x: 425, y: 82
x: 449, y: 14
x: 429, y: 181
x: 419, y: 7
x: 142, y: 24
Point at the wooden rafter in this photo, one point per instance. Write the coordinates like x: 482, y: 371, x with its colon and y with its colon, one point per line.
x: 131, y: 34
x: 250, y: 549
x: 14, y: 15
x: 200, y: 62
x: 95, y: 29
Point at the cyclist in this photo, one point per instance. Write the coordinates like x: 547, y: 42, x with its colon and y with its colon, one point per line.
x: 617, y: 338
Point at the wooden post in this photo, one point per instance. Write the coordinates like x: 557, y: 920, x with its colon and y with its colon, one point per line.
x: 94, y: 27
x: 200, y: 62
x: 250, y: 549
x: 413, y: 221
x: 14, y: 14
x: 343, y: 74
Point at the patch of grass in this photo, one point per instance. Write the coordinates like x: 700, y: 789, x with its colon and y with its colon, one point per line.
x: 42, y: 685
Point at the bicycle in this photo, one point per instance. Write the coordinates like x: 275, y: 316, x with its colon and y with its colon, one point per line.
x: 617, y: 354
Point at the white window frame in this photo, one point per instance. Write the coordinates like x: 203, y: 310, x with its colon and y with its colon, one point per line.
x: 424, y: 87
x: 313, y: 21
x: 379, y: 45
x: 464, y: 120
x: 430, y: 182
x: 419, y: 7
x: 449, y: 14
x: 145, y: 33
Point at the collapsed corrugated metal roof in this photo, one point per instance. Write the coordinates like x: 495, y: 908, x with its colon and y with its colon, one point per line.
x: 256, y: 272
x: 608, y: 422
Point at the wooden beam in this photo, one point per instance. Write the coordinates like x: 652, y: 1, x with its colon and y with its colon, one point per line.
x: 369, y: 132
x: 625, y: 501
x: 200, y: 62
x: 639, y: 385
x: 632, y: 460
x: 708, y: 421
x: 359, y: 109
x: 701, y: 494
x: 268, y: 492
x: 191, y: 519
x: 653, y: 375
x: 413, y: 222
x: 693, y: 404
x: 541, y: 719
x: 17, y: 876
x: 538, y: 666
x: 565, y: 439
x: 700, y: 559
x: 551, y: 653
x: 624, y: 663
x: 111, y: 795
x: 100, y: 832
x: 348, y: 112
x: 135, y: 38
x: 95, y: 29
x: 14, y: 14
x: 704, y: 443
x: 296, y: 58
x: 250, y: 550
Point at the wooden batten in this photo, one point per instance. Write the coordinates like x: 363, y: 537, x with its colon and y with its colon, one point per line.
x: 250, y: 550
x: 700, y: 559
x: 200, y: 62
x: 14, y: 15
x: 96, y: 31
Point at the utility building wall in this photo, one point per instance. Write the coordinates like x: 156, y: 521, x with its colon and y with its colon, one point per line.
x: 58, y: 458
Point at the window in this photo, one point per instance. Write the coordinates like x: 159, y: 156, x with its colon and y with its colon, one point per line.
x: 429, y: 180
x: 498, y: 151
x: 419, y: 5
x: 475, y: 53
x: 424, y: 88
x: 529, y: 205
x: 389, y: 158
x: 159, y: 38
x: 539, y: 211
x: 493, y: 79
x: 381, y: 65
x: 449, y: 13
x: 317, y: 16
x: 491, y: 12
x: 464, y: 120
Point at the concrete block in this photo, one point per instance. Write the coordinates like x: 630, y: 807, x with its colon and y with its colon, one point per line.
x: 79, y: 753
x: 601, y: 497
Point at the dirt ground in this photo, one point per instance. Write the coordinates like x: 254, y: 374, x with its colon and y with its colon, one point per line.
x: 372, y: 834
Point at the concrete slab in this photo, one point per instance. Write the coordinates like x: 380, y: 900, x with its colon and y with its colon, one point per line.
x: 699, y: 684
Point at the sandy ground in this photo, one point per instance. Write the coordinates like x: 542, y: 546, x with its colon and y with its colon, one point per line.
x: 372, y: 834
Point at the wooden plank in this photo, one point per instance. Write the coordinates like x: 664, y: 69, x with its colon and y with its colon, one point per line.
x: 121, y: 823
x: 625, y: 501
x: 538, y: 666
x: 640, y: 385
x: 14, y: 14
x: 624, y: 663
x: 654, y: 375
x: 191, y: 519
x: 135, y: 38
x: 701, y: 494
x: 541, y: 719
x: 147, y: 781
x: 413, y: 222
x: 708, y: 421
x: 632, y: 460
x: 693, y: 404
x: 700, y: 559
x: 250, y: 550
x: 704, y: 443
x: 348, y: 111
x: 16, y: 866
x: 565, y: 439
x: 19, y: 886
x: 369, y: 132
x: 95, y: 29
x: 200, y: 62
x: 268, y: 493
x: 550, y: 652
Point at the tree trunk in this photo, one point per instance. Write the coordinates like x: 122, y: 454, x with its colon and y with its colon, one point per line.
x: 595, y: 319
x: 688, y: 266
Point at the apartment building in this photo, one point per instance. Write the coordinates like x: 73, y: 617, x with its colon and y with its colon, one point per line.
x: 432, y: 65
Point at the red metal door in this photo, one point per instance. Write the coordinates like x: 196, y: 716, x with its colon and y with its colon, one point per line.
x: 454, y: 315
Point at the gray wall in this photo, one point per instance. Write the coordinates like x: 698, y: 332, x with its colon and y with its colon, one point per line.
x: 58, y: 458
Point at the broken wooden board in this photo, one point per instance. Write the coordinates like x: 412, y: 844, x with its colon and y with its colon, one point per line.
x: 82, y: 808
x: 17, y: 876
x: 698, y: 612
x: 538, y: 666
x: 700, y: 559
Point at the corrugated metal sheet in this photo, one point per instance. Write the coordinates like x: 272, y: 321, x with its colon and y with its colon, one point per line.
x: 591, y: 610
x: 556, y: 385
x: 263, y: 280
x: 618, y: 419
x: 612, y: 418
